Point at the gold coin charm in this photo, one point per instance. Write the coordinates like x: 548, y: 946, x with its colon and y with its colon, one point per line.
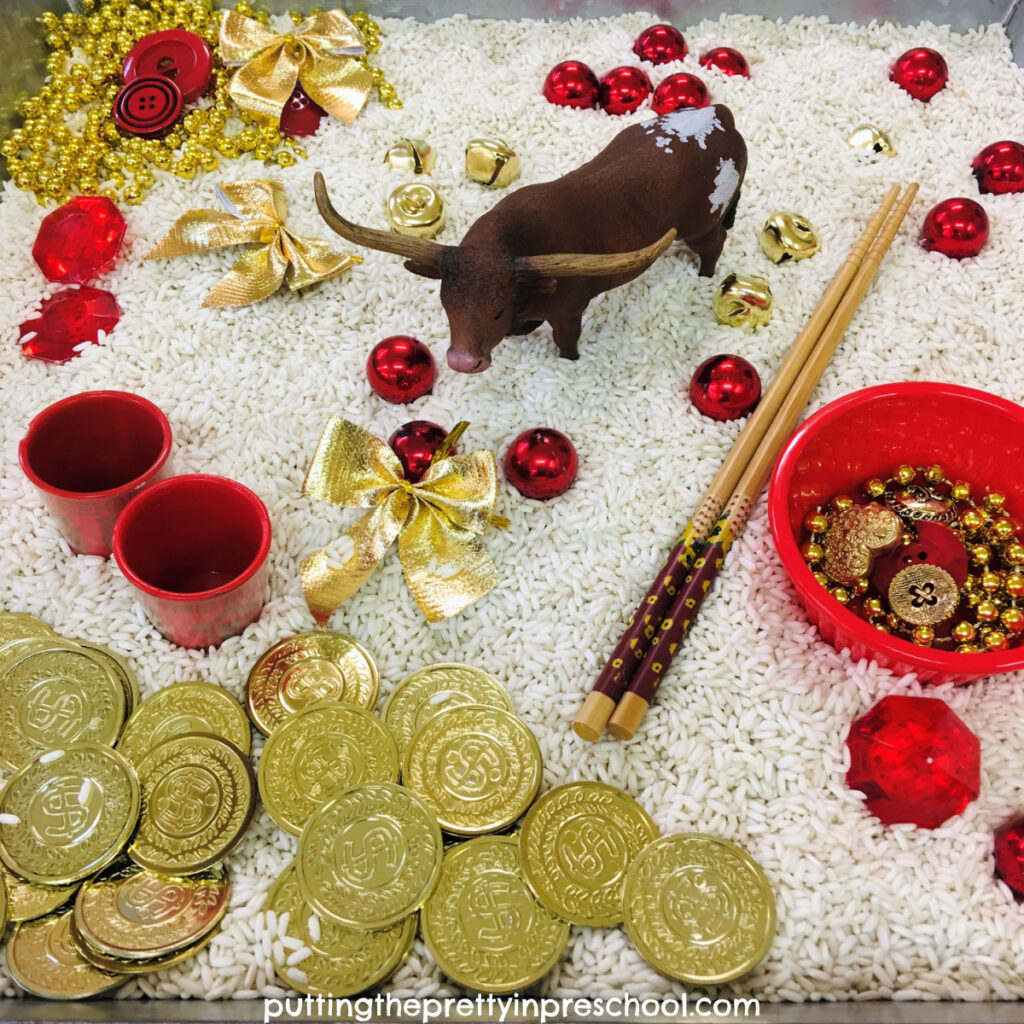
x: 871, y: 139
x: 118, y: 965
x: 26, y: 902
x: 22, y: 626
x: 923, y: 594
x: 422, y: 694
x: 4, y: 901
x: 788, y: 236
x: 492, y: 162
x: 198, y: 797
x: 50, y: 698
x: 482, y: 924
x: 318, y: 667
x: 416, y: 209
x: 344, y: 961
x: 45, y: 961
x: 743, y: 300
x: 120, y: 668
x: 698, y: 908
x: 370, y: 856
x: 921, y: 504
x: 185, y: 707
x: 416, y: 156
x: 477, y: 768
x: 67, y: 813
x: 855, y: 535
x: 576, y: 844
x: 319, y: 752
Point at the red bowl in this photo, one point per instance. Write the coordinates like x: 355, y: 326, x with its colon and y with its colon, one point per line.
x: 974, y: 436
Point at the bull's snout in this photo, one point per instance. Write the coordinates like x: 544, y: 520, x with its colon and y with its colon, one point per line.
x: 466, y: 362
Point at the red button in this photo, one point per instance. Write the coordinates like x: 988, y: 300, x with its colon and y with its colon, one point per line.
x: 301, y: 116
x: 148, y: 106
x: 176, y: 54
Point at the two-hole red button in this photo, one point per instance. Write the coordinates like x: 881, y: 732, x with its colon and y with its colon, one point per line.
x: 148, y: 106
x: 181, y: 56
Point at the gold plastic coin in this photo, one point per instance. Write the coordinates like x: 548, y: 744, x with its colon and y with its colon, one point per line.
x: 53, y: 697
x: 122, y: 967
x: 344, y: 961
x: 482, y: 924
x: 26, y: 902
x: 67, y: 813
x: 120, y: 667
x: 22, y: 626
x: 194, y: 706
x: 318, y: 667
x: 134, y: 914
x: 45, y: 962
x: 370, y: 856
x: 477, y: 768
x: 422, y: 694
x: 698, y: 908
x: 198, y: 797
x: 319, y: 752
x: 576, y: 844
x: 4, y: 904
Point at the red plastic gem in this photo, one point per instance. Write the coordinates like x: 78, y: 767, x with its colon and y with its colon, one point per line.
x: 914, y: 761
x: 67, y: 320
x: 148, y: 107
x: 727, y: 60
x: 624, y: 89
x: 301, y: 116
x: 401, y: 369
x: 955, y: 227
x: 415, y: 444
x: 79, y: 240
x: 541, y: 463
x: 725, y: 387
x: 680, y: 92
x: 1009, y: 855
x: 920, y: 72
x: 181, y: 56
x: 999, y: 168
x: 571, y: 84
x: 660, y: 44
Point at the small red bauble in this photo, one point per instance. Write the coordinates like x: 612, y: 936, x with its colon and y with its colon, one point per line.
x: 999, y: 168
x: 79, y: 240
x: 1009, y: 855
x: 660, y: 44
x: 181, y: 56
x: 725, y: 387
x: 67, y: 320
x: 955, y: 227
x: 148, y: 107
x: 920, y: 72
x: 572, y: 84
x: 914, y: 761
x: 301, y: 116
x: 727, y: 60
x: 415, y: 444
x: 624, y: 89
x: 541, y: 463
x: 680, y: 92
x: 401, y: 369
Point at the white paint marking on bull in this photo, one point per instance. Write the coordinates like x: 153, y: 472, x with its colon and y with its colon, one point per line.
x: 685, y: 125
x: 725, y: 185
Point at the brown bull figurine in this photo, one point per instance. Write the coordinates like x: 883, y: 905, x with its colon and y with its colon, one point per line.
x: 544, y: 251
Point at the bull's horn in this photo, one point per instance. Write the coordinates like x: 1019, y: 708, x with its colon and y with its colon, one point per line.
x: 419, y: 250
x: 575, y: 264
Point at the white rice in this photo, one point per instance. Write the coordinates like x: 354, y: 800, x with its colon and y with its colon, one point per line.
x: 746, y: 740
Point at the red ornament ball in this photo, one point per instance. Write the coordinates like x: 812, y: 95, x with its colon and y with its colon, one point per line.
x: 624, y: 89
x: 999, y: 168
x: 725, y: 387
x: 920, y: 72
x: 955, y: 227
x: 572, y: 84
x: 660, y: 44
x: 727, y: 60
x: 79, y: 240
x: 300, y: 115
x: 680, y: 92
x: 1009, y: 855
x: 541, y: 463
x: 401, y: 369
x: 415, y: 444
x: 67, y: 322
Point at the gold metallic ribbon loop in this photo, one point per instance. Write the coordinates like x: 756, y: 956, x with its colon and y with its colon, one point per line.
x: 319, y: 55
x: 438, y: 523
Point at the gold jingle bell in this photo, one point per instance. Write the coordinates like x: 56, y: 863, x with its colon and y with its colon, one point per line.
x: 415, y: 156
x: 788, y: 236
x: 417, y: 210
x: 743, y: 300
x: 492, y: 162
x: 871, y: 139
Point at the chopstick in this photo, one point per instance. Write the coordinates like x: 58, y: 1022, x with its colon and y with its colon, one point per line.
x: 643, y: 626
x: 633, y: 704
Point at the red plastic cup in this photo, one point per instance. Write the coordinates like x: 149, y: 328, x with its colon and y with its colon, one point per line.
x: 195, y: 548
x: 974, y: 436
x: 88, y: 455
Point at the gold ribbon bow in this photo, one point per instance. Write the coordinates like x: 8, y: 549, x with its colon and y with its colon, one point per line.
x: 438, y: 522
x: 254, y: 212
x: 320, y: 55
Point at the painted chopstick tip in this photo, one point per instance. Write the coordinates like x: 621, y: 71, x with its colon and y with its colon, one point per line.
x: 593, y: 716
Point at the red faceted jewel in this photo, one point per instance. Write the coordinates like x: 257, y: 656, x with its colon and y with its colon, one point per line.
x: 79, y: 240
x: 69, y: 320
x: 914, y: 761
x: 1009, y: 855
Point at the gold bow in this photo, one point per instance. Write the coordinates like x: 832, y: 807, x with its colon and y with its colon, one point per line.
x: 320, y: 55
x: 254, y: 212
x: 437, y: 522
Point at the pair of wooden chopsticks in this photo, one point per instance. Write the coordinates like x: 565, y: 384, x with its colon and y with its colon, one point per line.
x: 624, y: 689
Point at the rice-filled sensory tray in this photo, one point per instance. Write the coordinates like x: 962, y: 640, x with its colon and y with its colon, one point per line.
x: 511, y: 507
